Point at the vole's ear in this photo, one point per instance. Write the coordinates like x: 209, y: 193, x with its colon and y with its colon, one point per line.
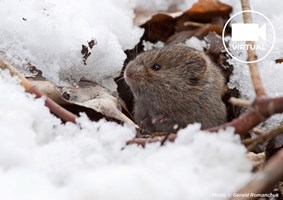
x: 197, y: 67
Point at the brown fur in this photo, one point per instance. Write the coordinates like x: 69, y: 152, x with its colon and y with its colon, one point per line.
x: 187, y: 89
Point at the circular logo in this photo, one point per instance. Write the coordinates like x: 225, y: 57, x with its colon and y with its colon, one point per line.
x: 258, y: 36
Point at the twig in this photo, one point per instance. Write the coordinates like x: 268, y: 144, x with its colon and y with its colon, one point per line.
x: 263, y: 135
x: 261, y: 109
x: 253, y: 142
x: 257, y: 131
x: 195, y: 24
x: 165, y: 139
x: 239, y: 102
x: 54, y: 107
x: 143, y: 141
x: 255, y: 75
x: 265, y: 180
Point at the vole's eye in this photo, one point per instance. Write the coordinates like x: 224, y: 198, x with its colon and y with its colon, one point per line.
x: 156, y: 67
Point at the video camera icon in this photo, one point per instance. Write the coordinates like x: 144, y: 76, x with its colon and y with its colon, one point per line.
x: 248, y: 32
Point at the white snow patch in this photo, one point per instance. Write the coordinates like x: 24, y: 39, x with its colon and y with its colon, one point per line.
x: 157, y: 5
x: 195, y: 43
x: 149, y: 46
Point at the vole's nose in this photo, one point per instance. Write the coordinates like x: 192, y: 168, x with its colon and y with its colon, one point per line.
x: 133, y: 74
x: 128, y: 75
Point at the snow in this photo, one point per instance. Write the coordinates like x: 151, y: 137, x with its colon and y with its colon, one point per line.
x: 164, y: 5
x: 50, y: 34
x: 195, y: 43
x: 159, y: 5
x: 40, y: 158
x: 149, y: 46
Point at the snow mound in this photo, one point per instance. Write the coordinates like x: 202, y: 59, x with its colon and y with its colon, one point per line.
x: 40, y: 158
x: 50, y: 34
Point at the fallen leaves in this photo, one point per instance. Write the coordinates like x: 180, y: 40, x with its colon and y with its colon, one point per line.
x: 205, y: 16
x: 88, y: 95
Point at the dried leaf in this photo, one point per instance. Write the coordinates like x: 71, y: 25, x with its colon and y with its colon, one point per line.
x: 87, y: 95
x: 159, y: 27
x: 91, y: 95
x: 212, y: 12
x: 49, y: 89
x: 258, y: 160
x: 208, y: 9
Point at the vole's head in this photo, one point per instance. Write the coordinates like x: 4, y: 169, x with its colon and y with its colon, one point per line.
x: 166, y: 69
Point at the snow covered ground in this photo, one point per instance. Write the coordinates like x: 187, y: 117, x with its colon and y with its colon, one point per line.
x: 40, y: 158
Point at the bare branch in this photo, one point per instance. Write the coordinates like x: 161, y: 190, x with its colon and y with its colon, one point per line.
x: 143, y: 141
x: 258, y: 131
x: 255, y: 75
x: 239, y: 102
x: 261, y: 109
x: 253, y: 142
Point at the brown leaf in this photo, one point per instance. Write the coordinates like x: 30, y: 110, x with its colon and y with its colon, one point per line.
x: 159, y: 27
x: 208, y: 9
x: 204, y: 11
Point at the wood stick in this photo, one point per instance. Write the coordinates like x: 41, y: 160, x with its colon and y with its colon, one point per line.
x: 239, y: 102
x: 255, y: 75
x: 262, y: 138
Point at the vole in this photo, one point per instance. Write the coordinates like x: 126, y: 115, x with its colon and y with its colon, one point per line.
x: 175, y: 86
